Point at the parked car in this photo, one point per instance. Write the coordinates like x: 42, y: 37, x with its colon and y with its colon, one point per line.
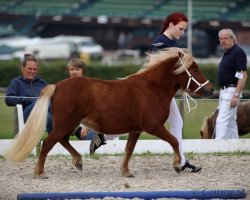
x: 86, y: 45
x: 60, y: 47
x: 6, y: 52
x: 12, y: 47
x: 52, y: 50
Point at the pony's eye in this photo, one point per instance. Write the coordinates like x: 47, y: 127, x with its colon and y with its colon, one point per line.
x: 196, y: 70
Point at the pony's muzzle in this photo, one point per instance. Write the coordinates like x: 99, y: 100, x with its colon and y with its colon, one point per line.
x: 207, y: 92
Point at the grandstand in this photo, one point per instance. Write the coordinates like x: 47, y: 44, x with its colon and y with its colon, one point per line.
x: 82, y: 17
x: 154, y: 9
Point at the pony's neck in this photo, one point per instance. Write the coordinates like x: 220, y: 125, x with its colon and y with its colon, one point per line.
x: 162, y: 75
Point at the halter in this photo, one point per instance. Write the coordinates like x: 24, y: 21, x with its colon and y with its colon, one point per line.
x: 186, y: 97
x: 191, y: 78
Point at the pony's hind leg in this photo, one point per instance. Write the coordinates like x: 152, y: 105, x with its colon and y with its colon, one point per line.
x: 46, y: 147
x: 76, y: 157
x: 130, y: 146
x: 48, y: 144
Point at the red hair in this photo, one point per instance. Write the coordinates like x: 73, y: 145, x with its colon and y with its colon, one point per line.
x: 175, y: 18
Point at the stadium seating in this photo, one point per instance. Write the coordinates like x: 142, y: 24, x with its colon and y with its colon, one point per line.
x: 45, y: 7
x: 155, y: 9
x: 129, y: 8
x: 167, y: 7
x: 242, y: 15
x: 202, y: 10
x: 6, y: 29
x: 5, y: 4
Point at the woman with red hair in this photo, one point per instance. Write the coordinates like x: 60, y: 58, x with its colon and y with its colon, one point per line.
x: 173, y: 29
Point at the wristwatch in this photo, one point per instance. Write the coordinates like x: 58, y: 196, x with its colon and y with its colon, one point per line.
x: 236, y: 94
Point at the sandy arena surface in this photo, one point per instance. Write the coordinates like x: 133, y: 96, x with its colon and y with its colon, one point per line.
x: 152, y: 173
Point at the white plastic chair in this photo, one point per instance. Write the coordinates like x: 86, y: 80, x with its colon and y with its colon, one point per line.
x: 20, y: 118
x: 20, y: 121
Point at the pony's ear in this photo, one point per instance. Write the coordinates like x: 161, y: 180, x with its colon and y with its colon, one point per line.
x: 180, y: 54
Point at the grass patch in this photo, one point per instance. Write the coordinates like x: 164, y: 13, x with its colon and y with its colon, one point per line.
x: 8, y: 128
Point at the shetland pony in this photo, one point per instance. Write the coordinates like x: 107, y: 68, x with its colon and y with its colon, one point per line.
x: 243, y: 121
x: 136, y: 103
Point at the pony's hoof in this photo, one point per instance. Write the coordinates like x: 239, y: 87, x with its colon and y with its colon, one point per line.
x: 40, y: 176
x: 127, y: 174
x: 177, y: 168
x: 78, y: 166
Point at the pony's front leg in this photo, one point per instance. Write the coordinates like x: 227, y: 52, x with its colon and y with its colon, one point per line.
x: 48, y: 144
x: 130, y: 146
x: 164, y: 134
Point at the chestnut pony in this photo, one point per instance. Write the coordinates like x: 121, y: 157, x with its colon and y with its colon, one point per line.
x: 139, y: 102
x: 243, y: 121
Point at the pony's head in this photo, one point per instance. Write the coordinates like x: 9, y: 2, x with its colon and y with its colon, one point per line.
x: 188, y: 74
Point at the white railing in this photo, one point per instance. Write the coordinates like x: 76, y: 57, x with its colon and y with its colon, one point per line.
x: 152, y: 146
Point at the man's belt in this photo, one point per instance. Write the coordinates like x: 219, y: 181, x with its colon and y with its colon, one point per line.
x: 227, y: 86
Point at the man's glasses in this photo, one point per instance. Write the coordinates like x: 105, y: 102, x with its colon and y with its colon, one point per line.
x: 224, y: 38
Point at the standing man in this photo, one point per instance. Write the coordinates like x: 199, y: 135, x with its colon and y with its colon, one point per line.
x: 232, y: 76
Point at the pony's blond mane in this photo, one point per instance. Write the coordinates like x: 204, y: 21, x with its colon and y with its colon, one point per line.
x: 184, y: 62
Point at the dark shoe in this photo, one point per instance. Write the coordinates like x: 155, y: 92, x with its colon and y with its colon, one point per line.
x: 188, y: 168
x: 96, y: 142
x: 77, y: 133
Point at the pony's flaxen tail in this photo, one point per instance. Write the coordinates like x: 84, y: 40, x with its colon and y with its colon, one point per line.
x: 30, y: 135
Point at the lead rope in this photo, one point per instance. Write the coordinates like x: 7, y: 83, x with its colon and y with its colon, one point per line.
x: 185, y: 100
x: 186, y: 97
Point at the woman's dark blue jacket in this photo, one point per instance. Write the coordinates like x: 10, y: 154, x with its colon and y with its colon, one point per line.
x: 21, y: 87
